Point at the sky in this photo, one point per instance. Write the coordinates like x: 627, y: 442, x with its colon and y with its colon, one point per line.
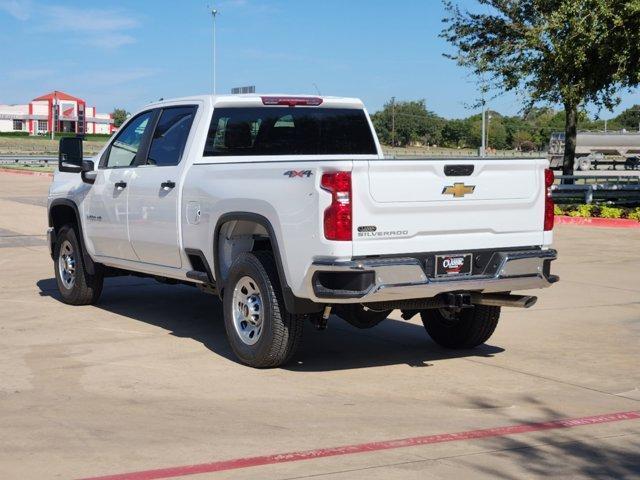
x: 126, y: 54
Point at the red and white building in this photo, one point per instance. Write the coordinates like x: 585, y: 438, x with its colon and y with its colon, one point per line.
x: 66, y: 112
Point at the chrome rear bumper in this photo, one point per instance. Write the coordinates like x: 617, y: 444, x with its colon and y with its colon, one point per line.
x: 388, y: 279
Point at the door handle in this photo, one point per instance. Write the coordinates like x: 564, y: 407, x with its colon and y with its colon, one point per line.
x: 168, y: 184
x: 120, y: 185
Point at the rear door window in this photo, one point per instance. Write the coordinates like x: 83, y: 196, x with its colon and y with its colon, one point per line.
x: 170, y: 136
x: 289, y: 131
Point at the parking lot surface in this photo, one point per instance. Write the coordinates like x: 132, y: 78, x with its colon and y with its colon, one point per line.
x: 145, y: 380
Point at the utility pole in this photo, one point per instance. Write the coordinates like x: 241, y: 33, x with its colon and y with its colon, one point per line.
x: 393, y: 121
x: 605, y: 125
x: 483, y: 144
x: 488, y: 127
x: 214, y: 14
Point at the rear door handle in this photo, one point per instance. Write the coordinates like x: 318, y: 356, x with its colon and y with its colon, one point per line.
x: 168, y: 184
x: 120, y: 185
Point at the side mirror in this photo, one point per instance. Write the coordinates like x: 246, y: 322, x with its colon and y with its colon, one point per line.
x: 70, y: 155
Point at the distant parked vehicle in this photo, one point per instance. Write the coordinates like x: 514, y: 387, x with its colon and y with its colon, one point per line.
x: 596, y: 148
x: 632, y: 163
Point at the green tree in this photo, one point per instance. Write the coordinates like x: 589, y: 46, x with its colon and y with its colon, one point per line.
x: 570, y: 52
x: 629, y: 119
x: 119, y: 116
x: 411, y: 122
x: 456, y: 133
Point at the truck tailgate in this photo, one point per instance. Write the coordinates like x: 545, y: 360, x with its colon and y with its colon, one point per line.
x: 439, y: 205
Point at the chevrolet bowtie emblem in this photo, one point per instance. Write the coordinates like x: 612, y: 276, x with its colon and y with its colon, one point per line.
x: 458, y: 189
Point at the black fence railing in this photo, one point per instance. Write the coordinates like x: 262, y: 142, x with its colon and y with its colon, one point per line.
x: 597, y: 189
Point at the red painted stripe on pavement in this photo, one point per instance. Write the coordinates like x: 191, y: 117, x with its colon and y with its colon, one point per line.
x: 367, y: 447
x: 597, y: 222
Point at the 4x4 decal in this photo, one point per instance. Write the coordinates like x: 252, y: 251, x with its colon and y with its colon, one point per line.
x: 298, y: 173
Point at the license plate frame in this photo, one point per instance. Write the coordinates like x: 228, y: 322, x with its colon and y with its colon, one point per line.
x: 454, y: 265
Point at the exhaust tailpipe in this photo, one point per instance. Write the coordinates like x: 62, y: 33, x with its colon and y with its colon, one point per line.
x: 504, y: 300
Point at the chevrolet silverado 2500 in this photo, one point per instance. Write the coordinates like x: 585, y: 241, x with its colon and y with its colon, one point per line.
x: 286, y: 208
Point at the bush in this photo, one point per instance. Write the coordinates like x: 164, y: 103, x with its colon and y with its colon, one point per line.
x: 582, y: 211
x: 14, y: 134
x: 557, y: 210
x: 634, y: 214
x: 610, y: 212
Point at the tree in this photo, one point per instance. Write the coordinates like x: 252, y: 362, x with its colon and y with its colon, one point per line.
x: 629, y: 119
x: 411, y: 122
x: 569, y: 52
x: 119, y: 116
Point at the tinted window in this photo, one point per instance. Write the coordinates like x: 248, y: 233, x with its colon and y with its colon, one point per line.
x: 289, y: 131
x: 125, y: 146
x: 170, y: 136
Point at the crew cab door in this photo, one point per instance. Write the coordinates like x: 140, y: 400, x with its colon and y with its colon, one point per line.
x: 105, y: 207
x: 154, y: 195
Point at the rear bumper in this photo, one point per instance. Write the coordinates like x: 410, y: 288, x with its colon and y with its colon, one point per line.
x: 388, y: 279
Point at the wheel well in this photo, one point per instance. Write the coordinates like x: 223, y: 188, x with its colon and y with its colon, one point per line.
x: 61, y: 215
x: 236, y: 237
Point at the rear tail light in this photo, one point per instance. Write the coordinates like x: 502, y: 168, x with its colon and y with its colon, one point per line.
x: 548, y: 201
x: 337, y: 217
x: 292, y: 101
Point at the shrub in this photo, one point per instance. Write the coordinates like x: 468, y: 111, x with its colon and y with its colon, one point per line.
x: 557, y: 210
x: 610, y: 212
x: 14, y: 134
x: 634, y: 214
x: 582, y: 211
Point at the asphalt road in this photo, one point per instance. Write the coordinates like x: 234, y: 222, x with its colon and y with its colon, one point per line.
x: 145, y: 380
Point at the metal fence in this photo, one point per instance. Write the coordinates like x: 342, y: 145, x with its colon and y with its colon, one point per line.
x: 599, y: 189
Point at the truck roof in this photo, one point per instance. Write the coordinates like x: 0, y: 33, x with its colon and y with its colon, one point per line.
x: 255, y: 100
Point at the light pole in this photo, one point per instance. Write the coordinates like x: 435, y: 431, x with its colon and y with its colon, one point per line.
x: 214, y: 14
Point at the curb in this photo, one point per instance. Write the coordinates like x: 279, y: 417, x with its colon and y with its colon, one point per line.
x: 12, y: 171
x: 597, y: 222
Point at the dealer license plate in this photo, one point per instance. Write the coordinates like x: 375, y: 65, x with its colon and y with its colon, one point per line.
x: 453, y: 265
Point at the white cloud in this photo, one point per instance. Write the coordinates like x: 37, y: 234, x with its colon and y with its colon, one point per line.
x: 105, y: 28
x: 61, y: 18
x: 21, y: 10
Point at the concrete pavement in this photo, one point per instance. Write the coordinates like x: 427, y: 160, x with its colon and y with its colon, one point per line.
x: 146, y: 380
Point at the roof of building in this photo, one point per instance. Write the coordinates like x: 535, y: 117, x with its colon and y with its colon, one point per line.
x: 57, y: 94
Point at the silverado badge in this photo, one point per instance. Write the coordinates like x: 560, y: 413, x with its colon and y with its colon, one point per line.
x: 458, y: 189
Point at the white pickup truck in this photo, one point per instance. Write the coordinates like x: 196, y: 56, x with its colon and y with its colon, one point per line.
x: 286, y: 208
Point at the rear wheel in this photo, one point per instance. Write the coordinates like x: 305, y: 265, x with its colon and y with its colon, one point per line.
x: 260, y: 330
x: 461, y: 328
x: 75, y: 284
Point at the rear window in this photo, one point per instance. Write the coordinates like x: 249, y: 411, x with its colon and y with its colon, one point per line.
x: 289, y: 131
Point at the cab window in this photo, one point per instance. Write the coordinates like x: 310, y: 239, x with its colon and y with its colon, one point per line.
x: 125, y: 147
x: 170, y: 136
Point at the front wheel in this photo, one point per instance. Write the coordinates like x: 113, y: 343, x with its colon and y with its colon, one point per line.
x: 461, y: 328
x: 75, y: 284
x: 260, y: 330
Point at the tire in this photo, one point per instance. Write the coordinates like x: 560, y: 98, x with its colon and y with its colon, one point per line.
x: 356, y: 315
x: 75, y: 284
x: 253, y: 302
x: 466, y: 328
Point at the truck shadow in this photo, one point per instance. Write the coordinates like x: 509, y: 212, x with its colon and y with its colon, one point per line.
x: 186, y: 312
